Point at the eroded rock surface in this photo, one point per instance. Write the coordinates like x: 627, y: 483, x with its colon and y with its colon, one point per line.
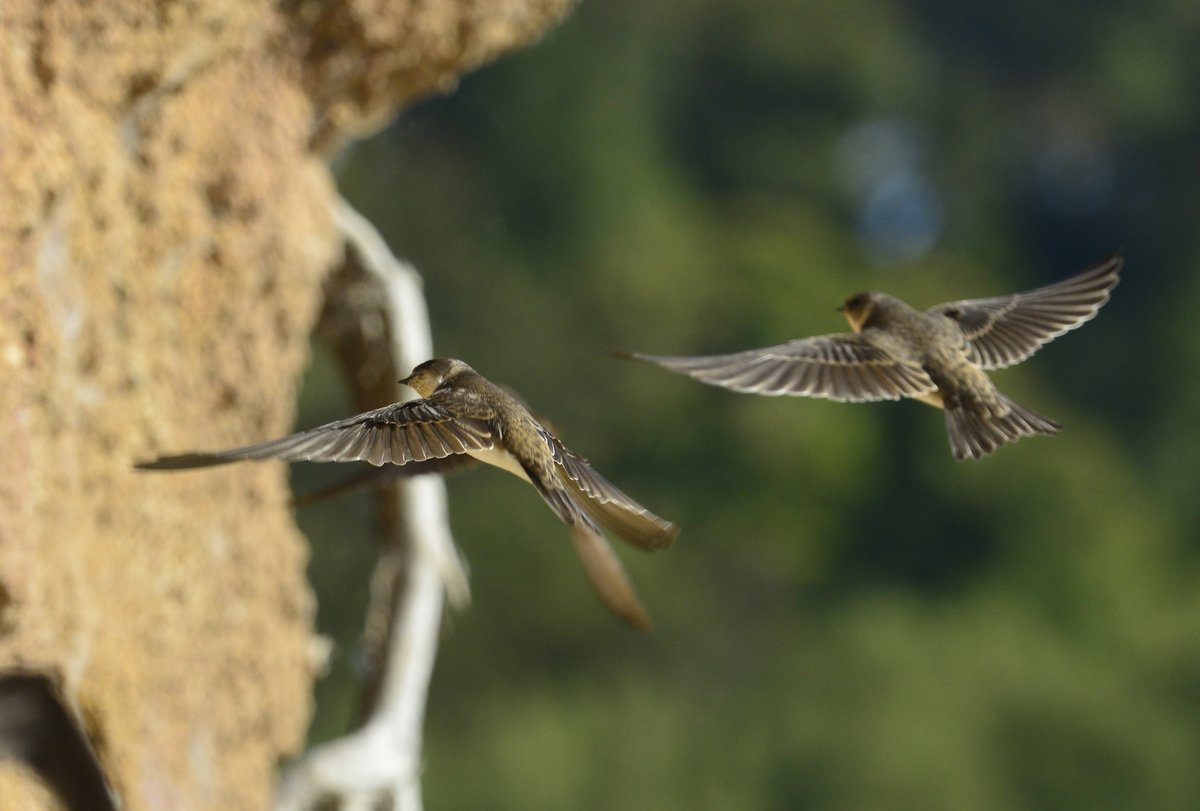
x: 164, y: 231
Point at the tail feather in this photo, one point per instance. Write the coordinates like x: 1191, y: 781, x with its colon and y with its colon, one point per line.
x: 974, y: 435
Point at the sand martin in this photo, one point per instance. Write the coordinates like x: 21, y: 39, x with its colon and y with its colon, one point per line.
x: 461, y: 412
x: 939, y: 356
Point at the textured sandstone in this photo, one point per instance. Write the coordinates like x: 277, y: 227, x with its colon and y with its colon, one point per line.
x: 164, y: 231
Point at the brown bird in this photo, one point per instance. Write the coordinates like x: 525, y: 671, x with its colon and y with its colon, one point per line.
x: 462, y: 412
x: 939, y: 356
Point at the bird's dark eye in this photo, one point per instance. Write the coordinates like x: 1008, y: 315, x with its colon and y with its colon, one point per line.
x: 952, y: 312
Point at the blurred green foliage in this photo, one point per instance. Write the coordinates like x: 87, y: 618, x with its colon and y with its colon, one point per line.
x: 850, y: 619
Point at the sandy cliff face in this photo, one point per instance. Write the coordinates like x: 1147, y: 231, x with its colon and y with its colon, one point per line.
x: 164, y: 230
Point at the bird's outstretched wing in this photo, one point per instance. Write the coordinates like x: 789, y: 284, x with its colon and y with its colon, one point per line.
x: 1008, y: 329
x: 415, y: 431
x: 607, y: 576
x: 601, y: 565
x: 606, y: 503
x: 844, y: 367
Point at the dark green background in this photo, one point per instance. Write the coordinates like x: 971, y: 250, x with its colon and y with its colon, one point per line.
x: 850, y: 619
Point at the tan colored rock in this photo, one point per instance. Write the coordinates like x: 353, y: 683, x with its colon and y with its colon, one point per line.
x: 20, y: 788
x: 356, y: 75
x: 164, y: 230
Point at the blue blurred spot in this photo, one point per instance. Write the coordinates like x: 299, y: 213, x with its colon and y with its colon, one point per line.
x: 901, y: 219
x: 900, y: 215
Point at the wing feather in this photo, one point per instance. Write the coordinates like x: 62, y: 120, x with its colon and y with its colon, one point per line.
x: 414, y: 431
x: 843, y: 366
x: 605, y: 503
x: 1008, y: 329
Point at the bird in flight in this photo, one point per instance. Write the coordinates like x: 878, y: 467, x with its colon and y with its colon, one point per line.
x: 940, y: 356
x: 461, y: 413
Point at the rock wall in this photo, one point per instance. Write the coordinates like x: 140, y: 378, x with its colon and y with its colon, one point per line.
x: 164, y: 231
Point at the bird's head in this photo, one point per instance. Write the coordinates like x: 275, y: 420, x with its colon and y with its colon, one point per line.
x: 860, y: 308
x: 431, y: 374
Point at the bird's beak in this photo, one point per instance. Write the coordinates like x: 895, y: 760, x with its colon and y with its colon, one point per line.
x: 404, y: 381
x: 841, y: 308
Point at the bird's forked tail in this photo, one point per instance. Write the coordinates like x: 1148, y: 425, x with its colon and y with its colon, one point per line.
x: 974, y: 433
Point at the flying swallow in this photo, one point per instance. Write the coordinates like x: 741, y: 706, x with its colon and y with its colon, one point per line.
x: 940, y: 356
x: 462, y: 413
